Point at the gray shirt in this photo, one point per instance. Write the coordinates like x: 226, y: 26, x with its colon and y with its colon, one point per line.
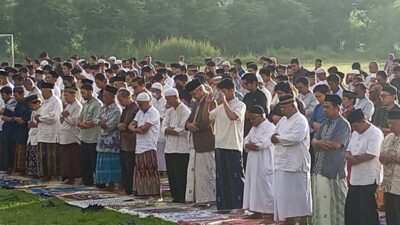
x: 331, y: 164
x: 310, y: 102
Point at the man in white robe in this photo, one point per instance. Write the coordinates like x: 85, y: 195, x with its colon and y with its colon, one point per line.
x: 292, y: 184
x: 258, y: 186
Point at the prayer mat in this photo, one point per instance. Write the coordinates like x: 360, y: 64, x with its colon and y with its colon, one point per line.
x: 59, y: 190
x: 121, y: 201
x: 139, y: 205
x: 164, y: 210
x: 238, y: 222
x: 79, y: 196
x: 187, y: 215
x: 191, y: 216
x: 17, y: 182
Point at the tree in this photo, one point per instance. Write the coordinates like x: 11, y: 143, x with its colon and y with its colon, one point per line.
x: 42, y: 25
x: 106, y: 27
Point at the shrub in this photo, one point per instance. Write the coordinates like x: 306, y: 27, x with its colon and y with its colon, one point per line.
x: 171, y: 48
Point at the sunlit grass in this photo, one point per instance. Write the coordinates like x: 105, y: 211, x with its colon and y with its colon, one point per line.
x: 20, y: 208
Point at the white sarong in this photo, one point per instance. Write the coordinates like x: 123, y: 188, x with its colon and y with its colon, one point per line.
x: 258, y: 186
x: 292, y: 195
x: 200, y: 186
x: 329, y: 199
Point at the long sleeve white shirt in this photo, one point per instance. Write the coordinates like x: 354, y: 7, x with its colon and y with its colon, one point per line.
x: 291, y: 153
x: 176, y: 119
x: 49, y: 125
x: 69, y: 125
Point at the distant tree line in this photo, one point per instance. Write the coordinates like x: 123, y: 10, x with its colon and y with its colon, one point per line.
x: 65, y: 27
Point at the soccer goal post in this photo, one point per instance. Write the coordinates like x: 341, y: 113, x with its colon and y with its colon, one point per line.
x: 7, y: 44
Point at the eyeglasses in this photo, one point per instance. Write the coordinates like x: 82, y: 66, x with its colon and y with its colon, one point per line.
x: 384, y: 96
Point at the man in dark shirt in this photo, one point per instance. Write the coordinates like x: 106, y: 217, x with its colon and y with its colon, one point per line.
x: 127, y: 139
x: 298, y: 70
x: 180, y: 82
x: 284, y: 88
x: 254, y: 97
x: 8, y: 145
x: 388, y: 99
x: 101, y: 82
x: 22, y: 115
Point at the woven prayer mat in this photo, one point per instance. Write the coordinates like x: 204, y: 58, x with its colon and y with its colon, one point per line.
x: 118, y: 201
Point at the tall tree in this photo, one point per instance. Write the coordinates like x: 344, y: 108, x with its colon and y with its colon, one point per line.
x: 42, y: 25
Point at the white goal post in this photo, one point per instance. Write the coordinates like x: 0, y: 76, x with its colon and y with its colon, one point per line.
x: 11, y: 36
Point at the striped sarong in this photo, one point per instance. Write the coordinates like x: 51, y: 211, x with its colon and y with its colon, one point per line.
x: 20, y: 158
x: 146, y: 176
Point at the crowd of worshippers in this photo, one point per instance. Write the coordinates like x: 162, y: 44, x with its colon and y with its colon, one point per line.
x: 282, y: 142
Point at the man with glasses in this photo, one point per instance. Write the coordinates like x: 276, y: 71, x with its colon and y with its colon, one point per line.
x: 388, y: 99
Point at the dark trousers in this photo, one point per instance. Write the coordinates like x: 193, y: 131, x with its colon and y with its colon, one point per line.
x: 177, y: 173
x: 244, y: 159
x: 229, y: 179
x: 127, y: 160
x: 48, y: 160
x: 7, y: 154
x: 360, y: 207
x: 392, y: 209
x: 88, y: 162
x: 311, y: 150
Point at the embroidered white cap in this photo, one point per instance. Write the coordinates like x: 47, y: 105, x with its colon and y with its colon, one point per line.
x: 157, y: 86
x: 171, y: 92
x: 143, y: 97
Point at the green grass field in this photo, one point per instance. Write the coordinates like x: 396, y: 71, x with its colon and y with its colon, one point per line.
x: 345, y: 67
x: 20, y: 208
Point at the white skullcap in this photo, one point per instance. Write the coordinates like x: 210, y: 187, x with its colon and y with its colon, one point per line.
x: 143, y: 97
x: 118, y: 61
x: 101, y: 61
x: 171, y: 92
x: 217, y: 79
x: 226, y: 63
x: 112, y: 58
x: 44, y: 63
x: 320, y: 70
x: 157, y: 86
x: 357, y: 72
x: 259, y: 78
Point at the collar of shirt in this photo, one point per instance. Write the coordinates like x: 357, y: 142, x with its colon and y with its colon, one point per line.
x: 332, y: 120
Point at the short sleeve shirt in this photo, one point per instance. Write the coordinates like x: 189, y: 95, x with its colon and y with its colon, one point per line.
x: 229, y: 133
x: 148, y: 140
x: 369, y: 142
